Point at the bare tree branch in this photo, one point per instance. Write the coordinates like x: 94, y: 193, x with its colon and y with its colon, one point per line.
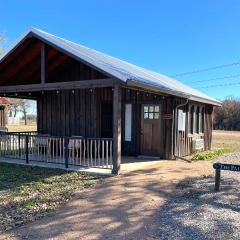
x: 19, y: 105
x: 2, y: 38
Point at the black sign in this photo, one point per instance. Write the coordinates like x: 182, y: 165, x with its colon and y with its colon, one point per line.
x: 229, y: 167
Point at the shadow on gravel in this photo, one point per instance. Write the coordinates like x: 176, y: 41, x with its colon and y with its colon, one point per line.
x: 196, y: 211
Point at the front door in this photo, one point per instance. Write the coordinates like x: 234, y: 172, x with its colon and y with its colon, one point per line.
x: 150, y: 130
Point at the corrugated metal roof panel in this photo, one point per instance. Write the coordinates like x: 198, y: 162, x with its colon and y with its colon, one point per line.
x: 123, y: 70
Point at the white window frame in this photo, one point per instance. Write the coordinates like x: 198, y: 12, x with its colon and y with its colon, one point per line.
x: 181, y: 120
x: 128, y: 122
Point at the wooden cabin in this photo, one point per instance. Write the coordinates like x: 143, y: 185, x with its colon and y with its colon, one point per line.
x: 83, y: 92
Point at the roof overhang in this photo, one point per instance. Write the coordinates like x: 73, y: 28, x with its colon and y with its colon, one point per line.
x: 135, y: 83
x: 153, y: 87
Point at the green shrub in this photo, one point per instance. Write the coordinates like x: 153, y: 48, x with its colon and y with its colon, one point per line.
x: 209, y: 155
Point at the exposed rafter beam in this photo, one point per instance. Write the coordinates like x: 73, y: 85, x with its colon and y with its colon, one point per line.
x: 108, y: 82
x: 19, y: 50
x: 57, y: 62
x: 36, y: 67
x: 44, y: 73
x: 22, y: 60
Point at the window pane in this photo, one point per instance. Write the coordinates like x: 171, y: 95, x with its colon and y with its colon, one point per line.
x: 145, y: 115
x: 156, y: 109
x: 151, y: 109
x: 150, y: 115
x: 156, y: 115
x: 181, y: 120
x: 145, y: 108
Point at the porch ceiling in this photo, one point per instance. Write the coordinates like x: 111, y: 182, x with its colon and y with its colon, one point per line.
x: 36, y: 66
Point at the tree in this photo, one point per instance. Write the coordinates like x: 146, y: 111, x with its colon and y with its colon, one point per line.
x: 1, y: 41
x: 19, y: 105
x: 14, y: 107
x: 227, y: 117
x: 23, y: 107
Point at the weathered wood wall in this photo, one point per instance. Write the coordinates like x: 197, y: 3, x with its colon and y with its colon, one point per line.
x: 67, y: 113
x: 72, y: 112
x: 73, y: 70
x: 78, y: 113
x: 184, y: 139
x: 2, y: 117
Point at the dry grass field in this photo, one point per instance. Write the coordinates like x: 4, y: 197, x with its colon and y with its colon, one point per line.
x: 22, y: 127
x: 227, y: 139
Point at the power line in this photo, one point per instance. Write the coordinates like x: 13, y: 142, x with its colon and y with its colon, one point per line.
x: 222, y: 85
x: 213, y: 79
x: 206, y: 69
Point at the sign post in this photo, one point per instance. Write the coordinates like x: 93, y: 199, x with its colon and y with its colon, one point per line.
x: 223, y: 166
x: 217, y: 179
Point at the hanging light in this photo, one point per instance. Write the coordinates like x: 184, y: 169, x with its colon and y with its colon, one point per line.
x: 73, y: 91
x: 57, y: 91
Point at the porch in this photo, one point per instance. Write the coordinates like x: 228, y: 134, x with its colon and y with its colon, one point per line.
x: 70, y: 153
x: 73, y: 153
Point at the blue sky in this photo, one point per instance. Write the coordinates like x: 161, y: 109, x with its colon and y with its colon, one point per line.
x: 169, y: 37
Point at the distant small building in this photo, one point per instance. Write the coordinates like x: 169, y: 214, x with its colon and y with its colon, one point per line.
x: 3, y: 116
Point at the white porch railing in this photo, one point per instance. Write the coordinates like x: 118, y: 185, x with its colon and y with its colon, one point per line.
x: 78, y: 151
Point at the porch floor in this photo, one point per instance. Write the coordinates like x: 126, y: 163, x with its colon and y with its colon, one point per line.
x: 128, y: 164
x: 101, y: 171
x: 135, y: 163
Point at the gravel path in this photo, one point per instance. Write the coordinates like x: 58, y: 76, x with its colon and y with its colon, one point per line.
x: 197, y: 212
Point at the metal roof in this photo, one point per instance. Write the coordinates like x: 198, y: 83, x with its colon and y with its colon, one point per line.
x: 122, y: 70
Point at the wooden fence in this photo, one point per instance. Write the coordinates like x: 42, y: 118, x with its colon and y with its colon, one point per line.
x: 78, y: 151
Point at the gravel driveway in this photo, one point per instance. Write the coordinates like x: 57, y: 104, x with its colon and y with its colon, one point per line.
x: 163, y: 200
x: 197, y: 212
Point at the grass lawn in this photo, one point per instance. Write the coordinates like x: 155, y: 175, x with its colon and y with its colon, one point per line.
x: 27, y: 193
x: 223, y: 142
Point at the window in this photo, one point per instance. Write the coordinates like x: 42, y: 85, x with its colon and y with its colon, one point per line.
x: 191, y: 122
x: 202, y: 121
x: 181, y: 120
x: 194, y: 120
x: 198, y: 119
x: 128, y: 122
x: 151, y: 112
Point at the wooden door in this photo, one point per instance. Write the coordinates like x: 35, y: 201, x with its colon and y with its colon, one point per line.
x: 107, y: 120
x: 151, y: 130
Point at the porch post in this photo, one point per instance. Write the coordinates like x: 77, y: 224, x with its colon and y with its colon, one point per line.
x: 43, y: 63
x: 117, y: 129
